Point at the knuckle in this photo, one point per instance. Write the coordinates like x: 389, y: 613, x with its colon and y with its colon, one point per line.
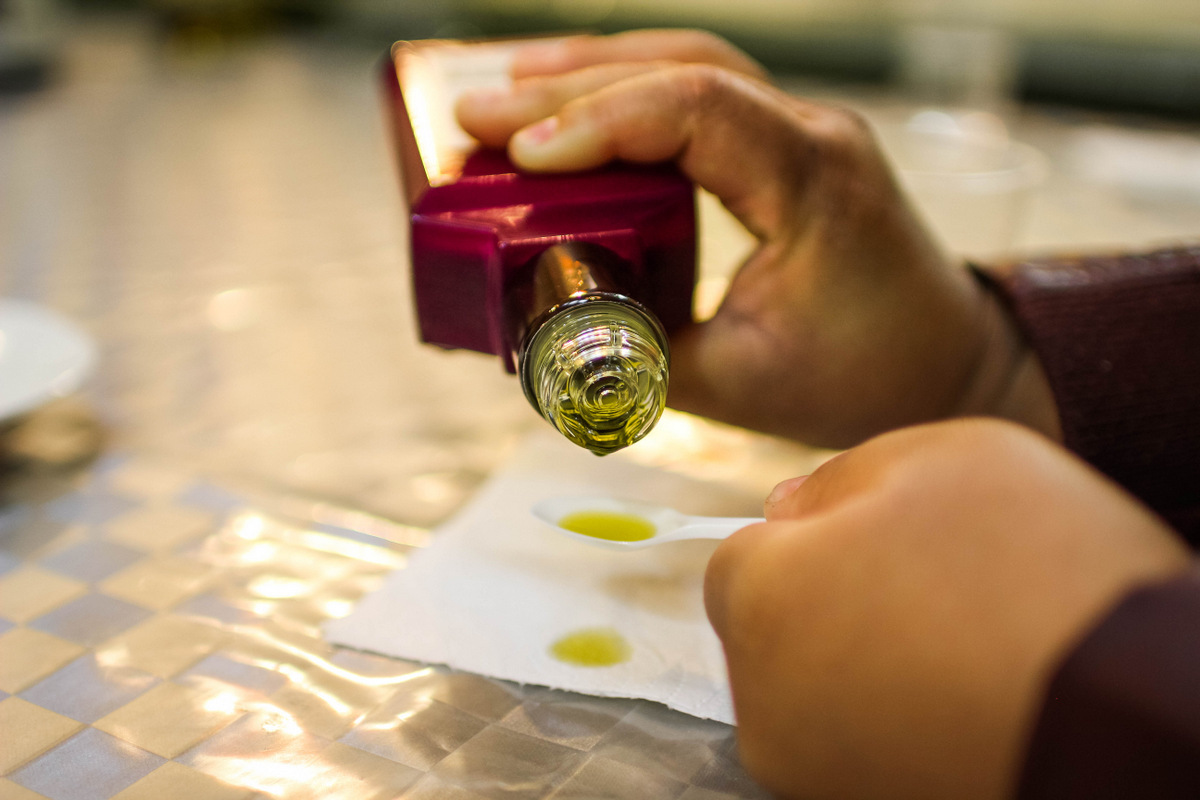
x: 724, y: 575
x: 541, y: 91
x: 701, y: 86
x: 850, y: 167
x: 842, y: 131
x: 578, y: 49
x: 739, y: 587
x: 545, y: 92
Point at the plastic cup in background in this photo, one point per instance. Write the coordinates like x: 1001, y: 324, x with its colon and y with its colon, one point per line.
x: 970, y: 181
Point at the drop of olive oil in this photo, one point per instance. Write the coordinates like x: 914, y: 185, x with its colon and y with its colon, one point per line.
x: 592, y: 647
x: 611, y: 525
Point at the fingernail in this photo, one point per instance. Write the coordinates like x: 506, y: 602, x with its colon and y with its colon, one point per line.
x: 551, y: 146
x: 538, y: 133
x: 783, y: 490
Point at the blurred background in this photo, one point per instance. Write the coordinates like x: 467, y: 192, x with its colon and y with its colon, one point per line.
x: 1108, y: 54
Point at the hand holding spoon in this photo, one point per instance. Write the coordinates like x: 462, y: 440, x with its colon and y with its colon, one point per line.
x: 628, y: 524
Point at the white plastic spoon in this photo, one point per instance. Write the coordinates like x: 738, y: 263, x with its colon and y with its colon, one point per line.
x: 629, y: 524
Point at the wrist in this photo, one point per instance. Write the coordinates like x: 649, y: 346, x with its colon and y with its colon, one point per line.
x: 1008, y: 380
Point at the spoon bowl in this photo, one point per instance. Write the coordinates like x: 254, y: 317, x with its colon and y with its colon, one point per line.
x: 630, y: 524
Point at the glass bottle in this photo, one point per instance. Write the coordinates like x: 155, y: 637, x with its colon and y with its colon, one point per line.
x: 572, y: 280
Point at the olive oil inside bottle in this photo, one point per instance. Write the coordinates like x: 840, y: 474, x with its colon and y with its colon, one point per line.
x: 597, y: 371
x: 592, y: 647
x: 611, y: 525
x: 593, y: 361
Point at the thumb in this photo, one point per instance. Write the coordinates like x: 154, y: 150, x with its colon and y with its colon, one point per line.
x: 778, y: 502
x: 838, y: 480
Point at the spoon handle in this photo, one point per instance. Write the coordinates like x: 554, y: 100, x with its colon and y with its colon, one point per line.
x: 713, y: 527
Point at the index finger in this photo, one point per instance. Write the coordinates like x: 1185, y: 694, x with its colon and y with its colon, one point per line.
x: 747, y: 143
x: 683, y: 46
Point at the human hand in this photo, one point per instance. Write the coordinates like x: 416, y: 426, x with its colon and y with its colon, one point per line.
x: 890, y: 628
x: 846, y: 320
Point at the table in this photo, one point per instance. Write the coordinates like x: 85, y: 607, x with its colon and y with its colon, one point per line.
x: 265, y: 441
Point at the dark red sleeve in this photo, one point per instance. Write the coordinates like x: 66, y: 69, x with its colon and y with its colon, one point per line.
x: 1119, y: 339
x: 1120, y: 342
x: 1121, y: 717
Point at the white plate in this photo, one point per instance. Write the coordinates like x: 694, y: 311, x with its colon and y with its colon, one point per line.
x: 42, y: 356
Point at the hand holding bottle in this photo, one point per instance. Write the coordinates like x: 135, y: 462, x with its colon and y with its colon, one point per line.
x: 847, y: 319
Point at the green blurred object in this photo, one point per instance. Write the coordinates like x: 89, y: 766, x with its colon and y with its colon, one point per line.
x: 29, y: 32
x: 1105, y: 54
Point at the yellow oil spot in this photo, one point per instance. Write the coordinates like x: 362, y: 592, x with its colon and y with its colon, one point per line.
x: 611, y: 525
x: 592, y: 647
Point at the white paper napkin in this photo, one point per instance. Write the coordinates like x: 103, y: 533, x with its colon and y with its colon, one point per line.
x: 497, y: 587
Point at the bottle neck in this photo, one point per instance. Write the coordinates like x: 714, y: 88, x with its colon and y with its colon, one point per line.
x: 563, y: 274
x: 592, y: 361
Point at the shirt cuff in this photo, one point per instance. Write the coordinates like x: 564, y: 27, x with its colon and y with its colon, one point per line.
x: 1119, y: 340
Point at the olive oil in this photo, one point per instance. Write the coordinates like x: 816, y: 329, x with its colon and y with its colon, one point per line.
x: 592, y: 647
x: 593, y: 362
x: 611, y: 525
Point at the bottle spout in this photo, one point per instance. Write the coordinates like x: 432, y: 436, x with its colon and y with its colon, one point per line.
x: 597, y: 370
x: 593, y: 361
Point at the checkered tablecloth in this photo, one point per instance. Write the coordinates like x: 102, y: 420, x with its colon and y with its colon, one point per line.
x: 159, y: 638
